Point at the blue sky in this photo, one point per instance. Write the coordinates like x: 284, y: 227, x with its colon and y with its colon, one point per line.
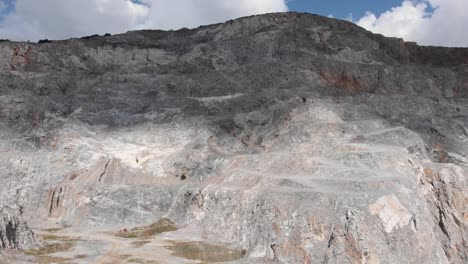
x: 342, y: 8
x: 6, y: 6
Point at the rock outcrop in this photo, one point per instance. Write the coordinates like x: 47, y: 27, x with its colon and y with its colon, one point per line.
x: 300, y: 138
x: 14, y: 232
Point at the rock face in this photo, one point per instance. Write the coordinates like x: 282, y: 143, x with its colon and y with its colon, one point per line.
x: 14, y: 233
x: 302, y: 139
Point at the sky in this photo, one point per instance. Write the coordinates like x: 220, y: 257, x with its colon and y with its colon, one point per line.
x: 428, y: 22
x: 342, y: 8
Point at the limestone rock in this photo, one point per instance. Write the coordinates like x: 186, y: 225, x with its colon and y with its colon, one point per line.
x: 299, y: 138
x: 14, y: 232
x: 392, y: 213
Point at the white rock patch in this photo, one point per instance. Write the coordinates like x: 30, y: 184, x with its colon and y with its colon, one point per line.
x: 392, y: 213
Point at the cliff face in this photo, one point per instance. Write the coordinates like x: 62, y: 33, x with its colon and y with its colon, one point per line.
x: 14, y: 233
x: 303, y: 139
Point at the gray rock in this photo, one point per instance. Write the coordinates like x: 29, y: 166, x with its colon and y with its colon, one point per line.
x: 300, y: 138
x: 14, y: 232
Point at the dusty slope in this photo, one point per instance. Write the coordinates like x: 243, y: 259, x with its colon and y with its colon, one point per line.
x: 300, y: 138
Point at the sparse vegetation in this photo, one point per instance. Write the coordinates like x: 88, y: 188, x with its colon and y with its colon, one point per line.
x: 143, y: 261
x: 136, y: 261
x: 90, y: 37
x: 50, y: 237
x: 50, y: 249
x: 52, y: 230
x: 140, y: 243
x: 56, y: 237
x: 128, y: 234
x: 205, y: 252
x: 161, y: 226
x: 49, y: 259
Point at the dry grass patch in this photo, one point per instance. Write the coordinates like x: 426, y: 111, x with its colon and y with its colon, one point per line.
x: 50, y: 237
x: 49, y: 260
x: 201, y: 251
x: 53, y: 230
x: 136, y: 261
x: 142, y: 261
x: 50, y: 249
x: 161, y: 226
x: 140, y: 243
x: 57, y: 238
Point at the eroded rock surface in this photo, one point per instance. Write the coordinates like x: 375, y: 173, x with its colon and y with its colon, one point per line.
x: 299, y: 138
x: 14, y: 232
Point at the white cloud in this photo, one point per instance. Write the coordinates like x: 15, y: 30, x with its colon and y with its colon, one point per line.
x: 72, y: 18
x: 58, y: 19
x: 182, y: 13
x: 413, y: 21
x: 349, y: 17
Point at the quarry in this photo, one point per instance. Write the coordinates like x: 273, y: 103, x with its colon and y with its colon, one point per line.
x: 277, y: 138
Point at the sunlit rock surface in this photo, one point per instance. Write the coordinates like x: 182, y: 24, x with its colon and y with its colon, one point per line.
x: 298, y: 138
